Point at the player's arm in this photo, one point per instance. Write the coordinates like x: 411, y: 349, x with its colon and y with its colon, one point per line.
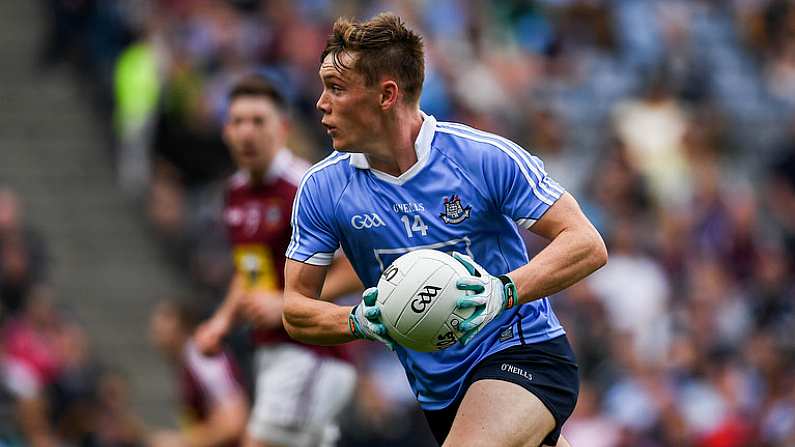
x: 341, y: 280
x: 575, y: 251
x: 210, y: 333
x: 225, y: 424
x: 306, y: 318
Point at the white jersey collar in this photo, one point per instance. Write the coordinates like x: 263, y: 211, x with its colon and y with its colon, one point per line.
x: 422, y: 146
x: 279, y: 164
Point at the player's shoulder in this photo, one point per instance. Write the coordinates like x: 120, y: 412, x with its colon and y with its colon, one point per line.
x: 237, y: 181
x: 216, y: 373
x: 460, y: 141
x: 196, y: 361
x: 290, y: 167
x: 329, y: 172
x: 286, y: 167
x: 236, y: 187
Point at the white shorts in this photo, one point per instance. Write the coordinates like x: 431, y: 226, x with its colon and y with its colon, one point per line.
x: 298, y: 396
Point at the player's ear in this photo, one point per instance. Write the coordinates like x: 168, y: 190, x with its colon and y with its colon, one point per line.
x: 389, y: 94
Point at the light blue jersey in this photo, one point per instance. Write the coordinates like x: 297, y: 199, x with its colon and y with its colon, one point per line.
x: 467, y: 192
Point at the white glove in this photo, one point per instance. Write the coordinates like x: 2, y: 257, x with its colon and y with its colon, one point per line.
x: 492, y: 296
x: 365, y: 320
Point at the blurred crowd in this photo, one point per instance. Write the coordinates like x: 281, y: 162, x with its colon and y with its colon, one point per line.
x: 671, y: 121
x: 54, y: 391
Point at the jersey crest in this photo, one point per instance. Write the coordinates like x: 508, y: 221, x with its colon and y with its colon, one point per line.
x: 454, y: 212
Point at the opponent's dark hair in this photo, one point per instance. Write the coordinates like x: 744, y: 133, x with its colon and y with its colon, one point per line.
x: 257, y: 85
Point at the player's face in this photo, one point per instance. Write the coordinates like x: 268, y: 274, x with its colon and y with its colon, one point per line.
x: 255, y: 129
x: 350, y: 108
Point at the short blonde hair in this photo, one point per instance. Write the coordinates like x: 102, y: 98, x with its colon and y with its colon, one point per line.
x: 384, y: 46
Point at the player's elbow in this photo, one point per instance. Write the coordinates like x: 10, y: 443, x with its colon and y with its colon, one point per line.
x: 598, y: 251
x: 291, y: 319
x: 293, y: 331
x: 287, y: 322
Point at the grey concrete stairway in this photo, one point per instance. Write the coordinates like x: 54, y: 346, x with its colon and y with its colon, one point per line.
x: 106, y: 266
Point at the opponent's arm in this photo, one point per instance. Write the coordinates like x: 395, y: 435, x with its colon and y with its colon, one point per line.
x: 341, y: 280
x: 575, y: 251
x: 305, y: 317
x: 209, y: 334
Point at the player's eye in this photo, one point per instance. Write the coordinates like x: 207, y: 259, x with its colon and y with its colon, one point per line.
x: 335, y: 89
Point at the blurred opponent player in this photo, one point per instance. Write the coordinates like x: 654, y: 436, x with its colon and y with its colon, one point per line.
x: 403, y: 181
x: 214, y: 406
x: 299, y: 389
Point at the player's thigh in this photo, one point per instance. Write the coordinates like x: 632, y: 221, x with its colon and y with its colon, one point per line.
x: 297, y: 397
x: 562, y: 442
x: 250, y: 441
x: 497, y: 413
x: 333, y: 390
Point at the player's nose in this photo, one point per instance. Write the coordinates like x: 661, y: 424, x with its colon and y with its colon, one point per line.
x: 323, y: 103
x: 246, y: 130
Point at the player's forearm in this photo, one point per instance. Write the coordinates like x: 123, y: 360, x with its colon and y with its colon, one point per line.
x: 335, y: 289
x: 340, y: 280
x: 314, y: 321
x: 227, y: 311
x: 570, y: 257
x: 225, y: 425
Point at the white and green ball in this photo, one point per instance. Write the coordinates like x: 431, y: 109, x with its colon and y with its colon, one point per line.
x: 417, y: 295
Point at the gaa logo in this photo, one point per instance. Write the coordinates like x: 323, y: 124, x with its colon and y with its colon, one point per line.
x: 361, y: 221
x: 424, y: 298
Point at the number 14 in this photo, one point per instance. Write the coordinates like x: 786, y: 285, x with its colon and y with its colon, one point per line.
x: 418, y: 225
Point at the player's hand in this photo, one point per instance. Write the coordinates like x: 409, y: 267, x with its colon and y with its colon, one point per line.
x: 365, y: 320
x: 166, y: 438
x: 263, y: 309
x: 209, y: 335
x: 492, y: 295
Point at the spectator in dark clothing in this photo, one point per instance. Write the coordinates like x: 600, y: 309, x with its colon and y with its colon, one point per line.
x: 23, y: 256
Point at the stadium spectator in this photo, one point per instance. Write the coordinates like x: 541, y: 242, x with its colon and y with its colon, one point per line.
x: 23, y: 255
x: 116, y: 423
x: 32, y: 364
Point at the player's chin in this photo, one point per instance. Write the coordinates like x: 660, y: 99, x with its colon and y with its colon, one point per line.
x: 254, y: 165
x: 341, y: 145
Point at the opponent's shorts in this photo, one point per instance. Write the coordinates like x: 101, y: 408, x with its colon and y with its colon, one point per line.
x: 547, y: 369
x: 298, y: 396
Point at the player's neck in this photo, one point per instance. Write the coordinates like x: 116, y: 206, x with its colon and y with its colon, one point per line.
x: 397, y: 153
x: 257, y: 175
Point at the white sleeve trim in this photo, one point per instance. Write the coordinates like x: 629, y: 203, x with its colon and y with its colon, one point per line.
x: 320, y: 259
x: 525, y: 223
